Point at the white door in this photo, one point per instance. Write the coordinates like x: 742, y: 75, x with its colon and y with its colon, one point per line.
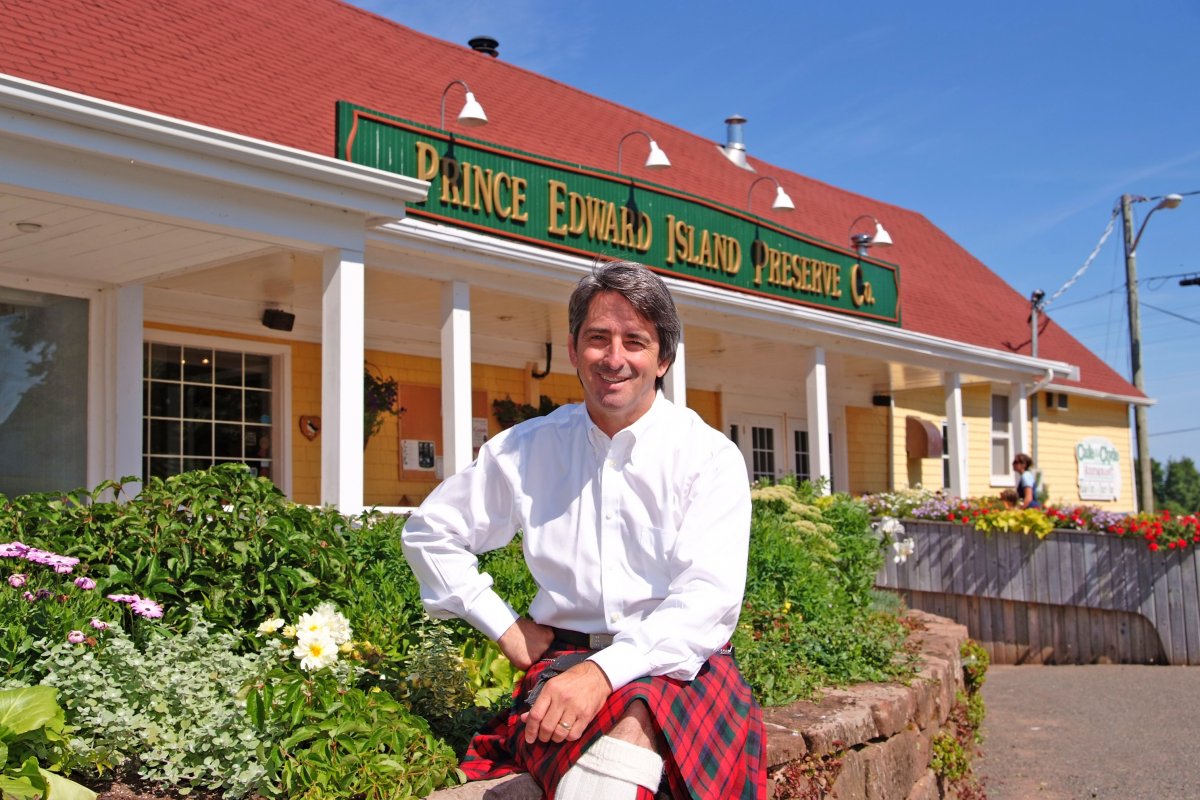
x: 760, y: 438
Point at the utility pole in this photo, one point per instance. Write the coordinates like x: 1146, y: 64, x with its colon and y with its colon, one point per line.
x: 1036, y: 301
x: 1146, y: 490
x: 1140, y: 426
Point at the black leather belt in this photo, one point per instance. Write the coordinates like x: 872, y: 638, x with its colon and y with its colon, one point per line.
x: 599, y: 641
x: 592, y: 641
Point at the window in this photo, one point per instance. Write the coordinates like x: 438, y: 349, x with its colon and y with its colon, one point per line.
x: 801, y: 454
x: 206, y: 406
x: 1001, y: 439
x: 43, y: 392
x: 945, y: 456
x: 762, y: 453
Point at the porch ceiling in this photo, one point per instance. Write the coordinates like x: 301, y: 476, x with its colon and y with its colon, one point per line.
x: 99, y: 247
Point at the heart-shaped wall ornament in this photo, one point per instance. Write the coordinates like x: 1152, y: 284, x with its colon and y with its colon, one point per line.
x: 310, y: 427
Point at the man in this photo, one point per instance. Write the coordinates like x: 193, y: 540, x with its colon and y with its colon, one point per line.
x: 636, y: 520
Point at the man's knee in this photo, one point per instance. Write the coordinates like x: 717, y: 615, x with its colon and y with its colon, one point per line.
x: 636, y: 726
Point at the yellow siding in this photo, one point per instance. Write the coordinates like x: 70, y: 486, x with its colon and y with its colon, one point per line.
x: 926, y: 404
x: 1059, y: 432
x: 866, y: 448
x: 707, y: 405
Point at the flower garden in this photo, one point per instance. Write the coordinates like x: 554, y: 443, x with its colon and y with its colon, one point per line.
x: 1164, y: 530
x: 208, y: 638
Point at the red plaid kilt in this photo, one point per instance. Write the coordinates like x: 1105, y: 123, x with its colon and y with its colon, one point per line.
x: 711, y: 727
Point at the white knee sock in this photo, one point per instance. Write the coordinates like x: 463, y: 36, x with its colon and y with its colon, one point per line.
x: 611, y: 769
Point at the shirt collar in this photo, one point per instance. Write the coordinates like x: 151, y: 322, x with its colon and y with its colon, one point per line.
x: 633, y: 434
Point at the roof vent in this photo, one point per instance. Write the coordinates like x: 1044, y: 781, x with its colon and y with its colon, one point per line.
x: 735, y: 147
x: 485, y: 44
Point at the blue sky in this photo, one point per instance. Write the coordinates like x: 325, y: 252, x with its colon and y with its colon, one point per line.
x: 1014, y: 127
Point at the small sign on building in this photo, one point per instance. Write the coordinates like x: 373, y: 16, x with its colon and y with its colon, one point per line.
x: 1099, y: 466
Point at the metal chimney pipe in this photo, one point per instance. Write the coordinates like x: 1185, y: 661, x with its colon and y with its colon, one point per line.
x: 735, y: 145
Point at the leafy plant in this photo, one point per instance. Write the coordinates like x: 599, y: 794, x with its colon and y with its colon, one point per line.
x: 380, y: 396
x: 169, y: 710
x: 220, y: 538
x: 33, y: 732
x: 324, y: 740
x: 509, y: 412
x: 1016, y: 520
x: 975, y: 663
x: 948, y: 759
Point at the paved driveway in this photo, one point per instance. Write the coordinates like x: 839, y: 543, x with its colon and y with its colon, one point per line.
x: 1104, y: 732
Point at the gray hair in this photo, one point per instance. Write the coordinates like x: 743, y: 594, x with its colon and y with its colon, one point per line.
x: 644, y: 290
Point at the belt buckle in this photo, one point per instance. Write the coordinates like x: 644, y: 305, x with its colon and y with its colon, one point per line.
x: 599, y: 641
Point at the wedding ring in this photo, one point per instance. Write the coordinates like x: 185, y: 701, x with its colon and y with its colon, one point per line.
x: 566, y: 726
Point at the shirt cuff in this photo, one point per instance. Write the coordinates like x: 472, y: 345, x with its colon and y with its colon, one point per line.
x: 621, y: 663
x: 491, y: 615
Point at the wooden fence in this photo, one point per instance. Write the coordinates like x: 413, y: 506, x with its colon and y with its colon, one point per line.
x: 1071, y: 598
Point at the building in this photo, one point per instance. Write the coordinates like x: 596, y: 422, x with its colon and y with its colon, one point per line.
x: 212, y: 215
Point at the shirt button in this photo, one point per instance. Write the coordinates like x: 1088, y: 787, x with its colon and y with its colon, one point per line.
x: 613, y: 617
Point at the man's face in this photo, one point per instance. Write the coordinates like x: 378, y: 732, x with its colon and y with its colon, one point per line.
x: 617, y: 359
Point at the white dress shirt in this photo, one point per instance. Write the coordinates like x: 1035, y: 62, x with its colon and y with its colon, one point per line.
x: 644, y: 535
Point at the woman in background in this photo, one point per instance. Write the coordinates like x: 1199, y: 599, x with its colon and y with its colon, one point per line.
x: 1026, y: 482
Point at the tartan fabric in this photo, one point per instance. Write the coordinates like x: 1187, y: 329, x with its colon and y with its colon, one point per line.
x: 711, y: 735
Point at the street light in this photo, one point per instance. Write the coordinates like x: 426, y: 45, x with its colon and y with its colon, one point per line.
x: 657, y: 158
x: 781, y: 203
x: 472, y: 115
x: 1145, y: 488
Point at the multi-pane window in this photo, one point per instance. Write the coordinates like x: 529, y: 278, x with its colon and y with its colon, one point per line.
x: 762, y: 453
x: 1001, y: 437
x: 801, y: 454
x: 205, y: 406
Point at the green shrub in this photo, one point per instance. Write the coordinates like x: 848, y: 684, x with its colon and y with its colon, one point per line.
x: 975, y: 663
x: 169, y: 710
x: 808, y: 618
x: 324, y: 740
x: 948, y: 759
x: 220, y: 538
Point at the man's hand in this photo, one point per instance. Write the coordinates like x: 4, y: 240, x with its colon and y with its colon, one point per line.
x: 524, y: 642
x: 567, y: 704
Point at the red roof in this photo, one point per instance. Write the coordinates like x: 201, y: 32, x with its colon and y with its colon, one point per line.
x: 275, y: 70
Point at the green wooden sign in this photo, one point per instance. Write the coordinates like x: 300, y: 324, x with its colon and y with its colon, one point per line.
x: 590, y: 211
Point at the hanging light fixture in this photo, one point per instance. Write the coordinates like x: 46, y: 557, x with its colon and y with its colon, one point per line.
x: 472, y: 115
x: 863, y: 242
x: 781, y: 203
x: 657, y: 159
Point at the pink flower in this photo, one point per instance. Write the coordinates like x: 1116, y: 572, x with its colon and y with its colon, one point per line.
x: 13, y: 550
x: 17, y: 580
x: 147, y: 609
x: 76, y: 637
x: 87, y: 584
x: 124, y: 598
x: 99, y: 624
x: 28, y: 596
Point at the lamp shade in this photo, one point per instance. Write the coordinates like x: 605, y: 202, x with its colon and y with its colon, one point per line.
x: 657, y: 158
x: 472, y: 115
x: 881, y: 237
x: 782, y: 201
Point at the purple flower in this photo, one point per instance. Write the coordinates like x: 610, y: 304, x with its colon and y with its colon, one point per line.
x: 13, y: 550
x: 147, y: 609
x: 17, y: 580
x: 99, y: 624
x: 29, y: 596
x: 42, y: 594
x: 124, y: 598
x: 87, y: 584
x: 76, y: 637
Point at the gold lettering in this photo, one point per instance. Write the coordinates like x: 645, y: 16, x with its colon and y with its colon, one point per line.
x: 646, y: 235
x: 758, y: 257
x: 520, y: 189
x: 670, y: 238
x: 610, y: 223
x: 833, y: 282
x: 626, y: 227
x: 503, y: 211
x: 427, y: 162
x: 555, y: 191
x: 578, y: 215
x: 595, y: 217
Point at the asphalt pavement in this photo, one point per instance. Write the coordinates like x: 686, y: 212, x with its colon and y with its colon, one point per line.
x: 1097, y: 732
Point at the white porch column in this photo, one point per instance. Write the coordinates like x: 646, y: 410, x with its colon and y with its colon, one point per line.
x: 675, y: 381
x: 957, y: 445
x: 817, y: 397
x: 1018, y: 416
x: 115, y: 387
x: 342, y: 332
x: 456, y: 377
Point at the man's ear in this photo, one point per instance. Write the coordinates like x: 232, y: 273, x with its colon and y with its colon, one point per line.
x: 663, y: 366
x: 571, y: 354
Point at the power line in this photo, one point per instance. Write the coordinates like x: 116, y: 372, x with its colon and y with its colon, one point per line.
x: 1172, y: 313
x: 1181, y: 430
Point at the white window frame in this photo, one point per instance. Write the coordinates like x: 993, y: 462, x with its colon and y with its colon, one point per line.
x: 281, y: 397
x: 1005, y: 436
